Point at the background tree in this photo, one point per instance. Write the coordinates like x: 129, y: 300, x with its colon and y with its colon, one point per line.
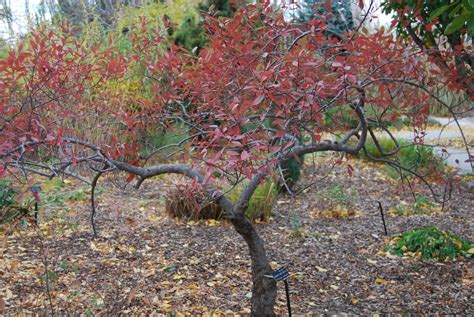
x: 337, y: 14
x: 436, y: 26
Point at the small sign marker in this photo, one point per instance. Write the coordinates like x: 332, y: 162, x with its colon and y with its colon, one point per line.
x: 281, y: 274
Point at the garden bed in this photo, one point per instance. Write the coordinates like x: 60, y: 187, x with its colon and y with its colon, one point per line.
x: 145, y: 262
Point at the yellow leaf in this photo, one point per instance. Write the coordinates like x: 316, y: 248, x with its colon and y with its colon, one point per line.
x: 470, y: 251
x: 165, y: 283
x: 354, y: 301
x: 153, y: 218
x: 165, y: 305
x: 379, y: 280
x: 212, y: 222
x: 192, y: 286
x: 178, y: 276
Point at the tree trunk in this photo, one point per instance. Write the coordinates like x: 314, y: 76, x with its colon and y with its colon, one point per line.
x: 263, y: 288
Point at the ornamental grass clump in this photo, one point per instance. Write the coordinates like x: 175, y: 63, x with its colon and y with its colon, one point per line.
x: 261, y: 204
x: 431, y: 243
x: 191, y: 203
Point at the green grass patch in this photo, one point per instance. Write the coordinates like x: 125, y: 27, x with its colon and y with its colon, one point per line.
x: 54, y: 193
x: 431, y: 243
x: 337, y: 201
x: 422, y: 206
x: 416, y: 157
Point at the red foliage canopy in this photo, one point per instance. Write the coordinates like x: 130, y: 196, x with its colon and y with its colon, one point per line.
x: 248, y: 98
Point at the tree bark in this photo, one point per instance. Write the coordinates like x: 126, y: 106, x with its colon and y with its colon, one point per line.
x: 263, y: 289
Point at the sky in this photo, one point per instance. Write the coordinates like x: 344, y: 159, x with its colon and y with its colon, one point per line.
x: 20, y: 19
x: 19, y: 16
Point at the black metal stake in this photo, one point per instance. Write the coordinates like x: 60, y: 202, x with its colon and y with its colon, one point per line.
x: 383, y: 218
x: 287, y: 290
x: 35, y: 190
x: 36, y: 212
x: 281, y: 275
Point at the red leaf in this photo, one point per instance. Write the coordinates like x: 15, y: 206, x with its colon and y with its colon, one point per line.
x: 36, y: 196
x: 130, y: 178
x: 244, y: 155
x: 350, y: 169
x: 280, y: 134
x: 361, y: 4
x: 258, y: 100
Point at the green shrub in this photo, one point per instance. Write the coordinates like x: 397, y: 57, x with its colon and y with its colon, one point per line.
x: 431, y: 243
x: 10, y: 209
x: 175, y: 134
x: 337, y: 114
x: 7, y: 194
x: 344, y: 114
x: 291, y: 169
x: 291, y: 173
x: 190, y: 35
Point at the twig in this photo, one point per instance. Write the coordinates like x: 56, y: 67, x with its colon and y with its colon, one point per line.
x: 44, y: 260
x: 93, y: 209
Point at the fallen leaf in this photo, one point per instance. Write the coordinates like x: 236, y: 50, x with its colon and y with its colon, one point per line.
x: 212, y: 222
x: 131, y: 296
x: 153, y: 218
x: 192, y: 286
x: 165, y: 305
x: 379, y: 280
x: 178, y: 276
x: 321, y: 269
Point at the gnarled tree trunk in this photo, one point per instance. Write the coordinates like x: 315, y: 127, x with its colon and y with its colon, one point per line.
x: 263, y: 289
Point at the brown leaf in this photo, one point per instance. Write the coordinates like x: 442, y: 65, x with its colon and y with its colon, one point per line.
x: 2, y: 306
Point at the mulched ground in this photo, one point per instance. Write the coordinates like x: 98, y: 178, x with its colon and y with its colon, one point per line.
x: 145, y: 262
